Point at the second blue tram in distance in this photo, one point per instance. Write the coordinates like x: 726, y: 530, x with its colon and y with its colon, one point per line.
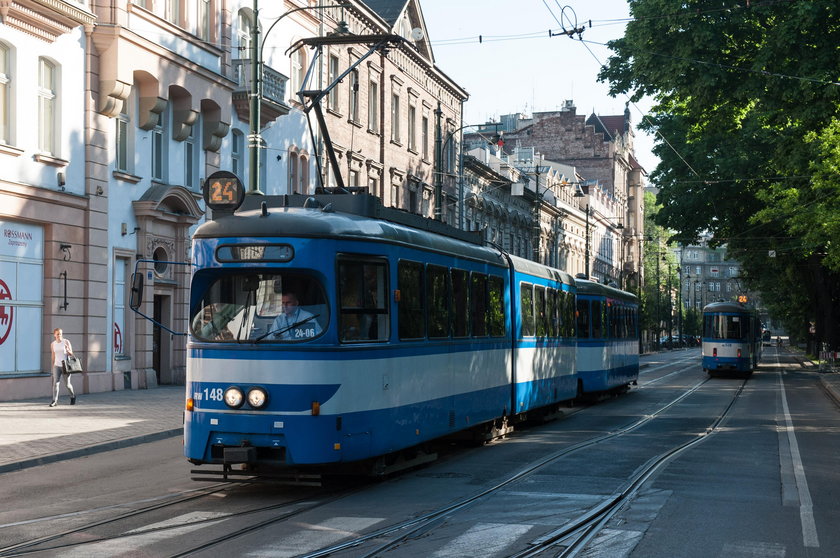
x: 328, y: 330
x: 731, y: 338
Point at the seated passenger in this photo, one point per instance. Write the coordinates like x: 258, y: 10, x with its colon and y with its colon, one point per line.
x: 293, y: 322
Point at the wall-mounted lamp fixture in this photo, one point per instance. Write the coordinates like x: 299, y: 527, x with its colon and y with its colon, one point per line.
x: 60, y: 178
x: 99, y: 191
x: 66, y: 249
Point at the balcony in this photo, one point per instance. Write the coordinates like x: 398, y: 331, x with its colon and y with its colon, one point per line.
x: 273, y: 97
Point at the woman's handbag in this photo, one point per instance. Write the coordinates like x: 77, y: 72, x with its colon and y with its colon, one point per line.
x: 72, y: 365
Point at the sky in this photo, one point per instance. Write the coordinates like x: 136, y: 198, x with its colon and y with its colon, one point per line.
x: 517, y: 67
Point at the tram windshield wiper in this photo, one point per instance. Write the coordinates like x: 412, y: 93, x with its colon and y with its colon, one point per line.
x: 283, y: 330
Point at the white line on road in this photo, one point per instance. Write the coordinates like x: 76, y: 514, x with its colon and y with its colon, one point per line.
x: 806, y: 506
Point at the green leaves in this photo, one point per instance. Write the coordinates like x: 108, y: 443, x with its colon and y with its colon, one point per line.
x: 748, y: 116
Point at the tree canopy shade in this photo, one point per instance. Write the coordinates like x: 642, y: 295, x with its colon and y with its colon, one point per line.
x: 747, y: 117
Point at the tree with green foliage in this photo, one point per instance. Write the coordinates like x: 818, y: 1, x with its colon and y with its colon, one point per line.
x: 747, y: 116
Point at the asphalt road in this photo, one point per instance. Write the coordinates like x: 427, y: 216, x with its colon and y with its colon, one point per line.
x: 764, y: 482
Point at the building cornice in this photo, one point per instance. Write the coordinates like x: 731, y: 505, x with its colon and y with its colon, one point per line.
x: 45, y: 19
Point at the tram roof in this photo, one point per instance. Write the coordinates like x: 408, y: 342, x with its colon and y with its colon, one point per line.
x: 728, y: 307
x: 345, y: 217
x: 585, y: 286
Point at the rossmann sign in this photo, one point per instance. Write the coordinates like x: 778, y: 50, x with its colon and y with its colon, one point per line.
x: 19, y: 240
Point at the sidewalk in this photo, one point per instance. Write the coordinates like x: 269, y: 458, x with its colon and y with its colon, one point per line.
x: 32, y: 433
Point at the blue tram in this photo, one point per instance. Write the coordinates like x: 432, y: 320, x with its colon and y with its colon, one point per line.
x: 329, y: 330
x: 731, y: 338
x: 607, y: 337
x: 322, y: 336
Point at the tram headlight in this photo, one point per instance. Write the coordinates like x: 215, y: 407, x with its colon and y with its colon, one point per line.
x: 257, y: 398
x: 234, y: 397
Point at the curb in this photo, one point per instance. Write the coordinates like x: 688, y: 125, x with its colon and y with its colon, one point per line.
x: 90, y: 450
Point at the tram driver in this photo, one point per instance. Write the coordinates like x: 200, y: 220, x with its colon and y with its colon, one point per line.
x: 293, y: 322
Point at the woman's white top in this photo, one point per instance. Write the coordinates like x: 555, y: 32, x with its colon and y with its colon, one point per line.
x: 60, y: 351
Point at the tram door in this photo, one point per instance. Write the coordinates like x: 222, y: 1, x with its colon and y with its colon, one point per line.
x: 161, y: 345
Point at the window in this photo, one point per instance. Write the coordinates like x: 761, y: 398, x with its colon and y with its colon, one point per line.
x: 122, y: 162
x: 237, y: 153
x: 293, y: 173
x: 353, y: 102
x: 395, y: 117
x: 540, y: 313
x: 597, y: 318
x: 496, y: 306
x: 424, y: 136
x: 191, y: 156
x: 412, y: 127
x: 412, y: 311
x: 298, y: 72
x: 203, y: 20
x: 159, y: 143
x: 437, y: 293
x: 5, y: 93
x: 583, y: 318
x: 303, y: 172
x: 478, y: 304
x: 373, y: 106
x: 363, y: 300
x: 526, y: 297
x: 47, y: 101
x: 243, y: 32
x: 172, y: 11
x: 460, y: 303
x: 332, y: 96
x: 268, y: 308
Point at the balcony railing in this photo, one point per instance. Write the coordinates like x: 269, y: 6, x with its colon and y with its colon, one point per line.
x: 273, y: 92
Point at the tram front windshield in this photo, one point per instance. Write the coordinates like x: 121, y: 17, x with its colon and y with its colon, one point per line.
x: 260, y: 308
x: 721, y: 326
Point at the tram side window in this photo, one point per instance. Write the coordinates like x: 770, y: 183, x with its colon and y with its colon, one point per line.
x: 583, y: 318
x: 496, y: 306
x: 552, y: 312
x: 597, y: 317
x: 568, y: 311
x: 460, y: 303
x: 540, y: 311
x: 526, y: 297
x: 412, y: 311
x: 363, y: 300
x: 437, y: 293
x: 478, y: 304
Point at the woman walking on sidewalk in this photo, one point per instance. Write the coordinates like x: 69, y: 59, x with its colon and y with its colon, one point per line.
x: 60, y: 348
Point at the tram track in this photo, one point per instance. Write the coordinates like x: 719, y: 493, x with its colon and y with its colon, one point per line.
x: 293, y: 508
x: 407, y: 529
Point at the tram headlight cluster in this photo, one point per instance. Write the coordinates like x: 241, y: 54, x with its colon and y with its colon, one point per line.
x: 234, y: 397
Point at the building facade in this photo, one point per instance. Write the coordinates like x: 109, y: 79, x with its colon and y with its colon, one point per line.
x: 137, y: 102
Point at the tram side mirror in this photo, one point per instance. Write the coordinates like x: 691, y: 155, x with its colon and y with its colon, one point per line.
x: 136, y: 298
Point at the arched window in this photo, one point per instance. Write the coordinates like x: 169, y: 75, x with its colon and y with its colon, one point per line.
x: 244, y: 27
x: 298, y: 72
x: 293, y: 172
x: 303, y: 171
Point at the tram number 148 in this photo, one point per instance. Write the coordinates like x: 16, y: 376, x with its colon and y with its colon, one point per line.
x: 210, y: 394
